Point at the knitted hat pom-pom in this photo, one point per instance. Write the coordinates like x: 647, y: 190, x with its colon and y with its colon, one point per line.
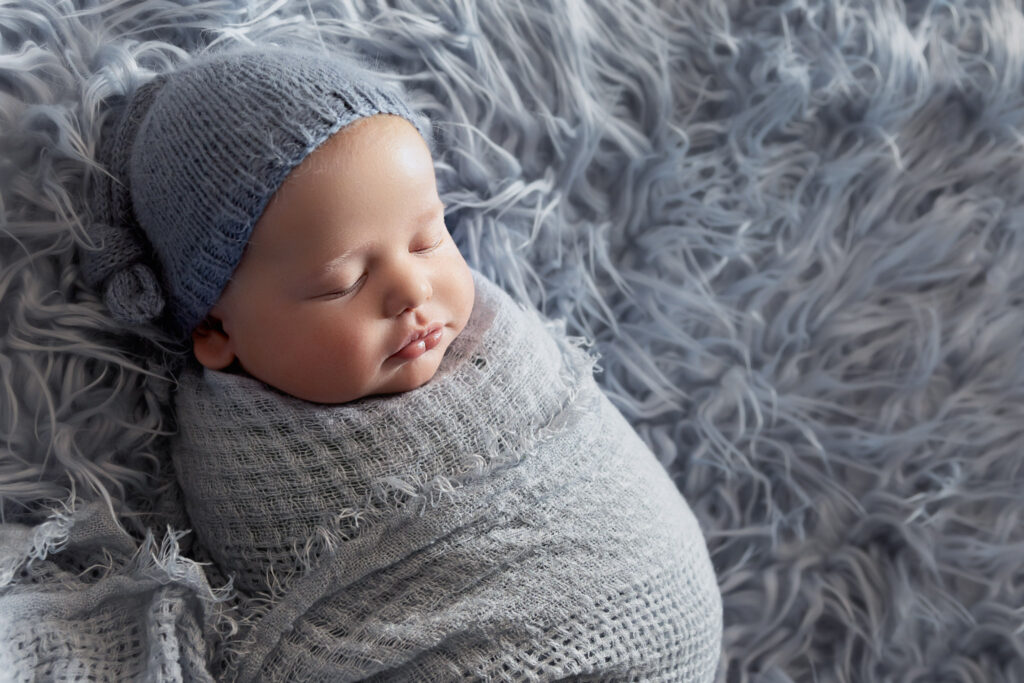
x: 117, y: 266
x: 134, y: 295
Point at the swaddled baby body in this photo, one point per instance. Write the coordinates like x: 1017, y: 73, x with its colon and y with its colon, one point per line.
x: 417, y: 478
x: 501, y: 522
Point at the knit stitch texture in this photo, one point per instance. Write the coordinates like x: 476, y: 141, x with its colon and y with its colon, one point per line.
x: 502, y: 522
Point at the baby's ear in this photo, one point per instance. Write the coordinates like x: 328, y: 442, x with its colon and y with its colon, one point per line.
x: 210, y: 344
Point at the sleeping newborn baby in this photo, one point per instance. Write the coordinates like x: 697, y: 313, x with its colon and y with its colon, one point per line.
x: 408, y: 475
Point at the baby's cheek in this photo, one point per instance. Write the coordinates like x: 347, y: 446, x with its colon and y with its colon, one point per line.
x: 327, y: 346
x: 337, y: 367
x: 466, y: 293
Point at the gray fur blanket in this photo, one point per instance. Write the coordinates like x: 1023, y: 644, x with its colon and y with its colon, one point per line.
x: 502, y: 522
x: 791, y: 228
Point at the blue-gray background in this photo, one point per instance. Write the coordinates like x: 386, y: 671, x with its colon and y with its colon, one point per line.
x: 793, y: 230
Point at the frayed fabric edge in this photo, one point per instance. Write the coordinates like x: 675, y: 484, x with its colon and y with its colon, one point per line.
x: 130, y: 566
x: 20, y: 544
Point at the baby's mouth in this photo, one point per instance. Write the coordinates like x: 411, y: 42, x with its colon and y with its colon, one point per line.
x: 420, y: 343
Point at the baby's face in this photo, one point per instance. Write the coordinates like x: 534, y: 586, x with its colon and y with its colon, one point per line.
x: 351, y: 285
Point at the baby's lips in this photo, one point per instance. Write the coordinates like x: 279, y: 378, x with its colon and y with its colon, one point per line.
x: 421, y: 343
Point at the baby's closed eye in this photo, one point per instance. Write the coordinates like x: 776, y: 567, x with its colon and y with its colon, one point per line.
x: 339, y: 292
x: 428, y: 242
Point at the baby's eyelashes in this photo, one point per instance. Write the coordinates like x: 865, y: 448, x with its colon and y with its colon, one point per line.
x: 337, y: 294
x: 431, y: 245
x: 426, y: 245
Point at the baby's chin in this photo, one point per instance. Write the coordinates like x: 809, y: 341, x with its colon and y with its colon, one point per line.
x: 338, y: 392
x: 415, y: 373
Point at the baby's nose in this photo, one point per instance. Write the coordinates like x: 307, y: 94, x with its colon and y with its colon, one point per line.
x: 409, y: 291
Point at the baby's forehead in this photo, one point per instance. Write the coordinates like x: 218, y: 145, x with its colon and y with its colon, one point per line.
x: 371, y: 181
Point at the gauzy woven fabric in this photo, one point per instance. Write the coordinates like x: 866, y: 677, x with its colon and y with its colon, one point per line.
x: 84, y: 601
x: 502, y: 522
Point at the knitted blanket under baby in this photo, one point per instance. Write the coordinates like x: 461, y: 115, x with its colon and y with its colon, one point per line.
x: 502, y: 522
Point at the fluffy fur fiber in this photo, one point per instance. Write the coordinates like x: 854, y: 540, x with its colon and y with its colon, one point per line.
x: 792, y: 228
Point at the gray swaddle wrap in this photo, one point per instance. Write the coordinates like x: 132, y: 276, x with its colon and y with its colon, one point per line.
x: 502, y: 522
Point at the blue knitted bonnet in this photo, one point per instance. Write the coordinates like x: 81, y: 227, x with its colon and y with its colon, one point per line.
x: 193, y: 161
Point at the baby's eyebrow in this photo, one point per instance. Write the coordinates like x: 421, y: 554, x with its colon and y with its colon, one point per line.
x: 338, y: 261
x: 430, y: 214
x: 335, y: 263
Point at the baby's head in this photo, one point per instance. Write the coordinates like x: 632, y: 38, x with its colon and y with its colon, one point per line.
x: 289, y: 202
